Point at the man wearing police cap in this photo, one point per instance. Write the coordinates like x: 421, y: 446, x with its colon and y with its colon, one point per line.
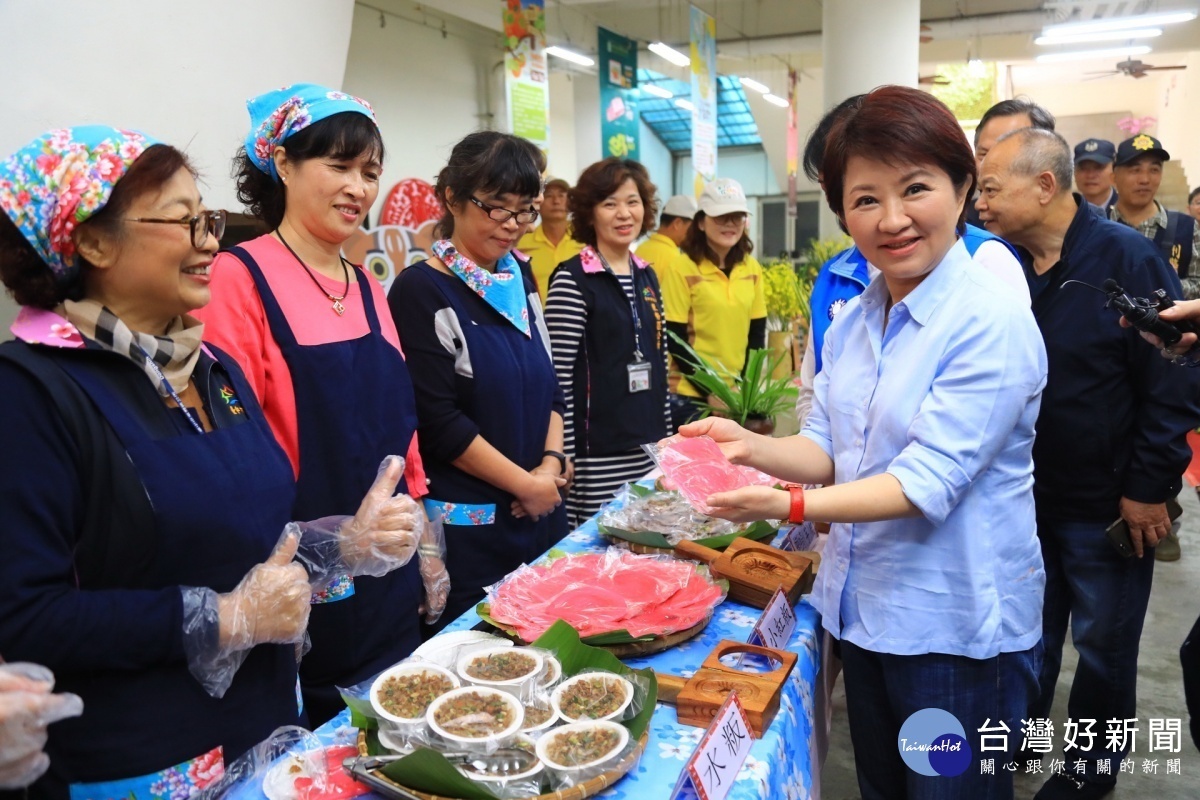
x: 1094, y: 172
x: 1137, y: 173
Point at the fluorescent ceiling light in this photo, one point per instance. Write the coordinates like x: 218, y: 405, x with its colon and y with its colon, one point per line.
x: 569, y: 55
x: 779, y: 101
x: 670, y: 54
x: 686, y: 105
x: 1114, y: 52
x: 750, y: 83
x: 1099, y: 36
x: 1120, y: 23
x: 657, y: 91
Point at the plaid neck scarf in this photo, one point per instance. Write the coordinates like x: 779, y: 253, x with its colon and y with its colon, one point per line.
x: 175, y: 354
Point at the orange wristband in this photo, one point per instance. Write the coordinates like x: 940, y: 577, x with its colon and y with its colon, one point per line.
x: 796, y: 514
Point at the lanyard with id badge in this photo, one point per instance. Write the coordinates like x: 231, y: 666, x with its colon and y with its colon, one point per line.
x: 638, y: 370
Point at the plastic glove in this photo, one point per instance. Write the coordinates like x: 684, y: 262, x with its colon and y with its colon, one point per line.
x: 432, y: 553
x: 380, y: 538
x: 269, y: 605
x: 26, y: 708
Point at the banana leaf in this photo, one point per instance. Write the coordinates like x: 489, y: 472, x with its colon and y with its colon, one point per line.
x: 758, y: 531
x: 427, y: 771
x: 484, y: 610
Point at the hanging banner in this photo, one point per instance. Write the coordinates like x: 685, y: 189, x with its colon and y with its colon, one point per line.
x: 526, y: 80
x: 704, y: 99
x: 793, y: 146
x: 618, y: 95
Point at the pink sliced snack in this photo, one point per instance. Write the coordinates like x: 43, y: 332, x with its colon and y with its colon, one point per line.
x: 603, y: 592
x: 698, y: 468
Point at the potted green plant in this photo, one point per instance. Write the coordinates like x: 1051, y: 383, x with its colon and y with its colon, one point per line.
x: 750, y: 398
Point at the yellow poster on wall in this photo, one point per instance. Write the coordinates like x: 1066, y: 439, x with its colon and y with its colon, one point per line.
x: 704, y: 99
x: 526, y: 80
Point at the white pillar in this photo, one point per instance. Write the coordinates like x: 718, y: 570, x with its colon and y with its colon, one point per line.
x: 866, y: 43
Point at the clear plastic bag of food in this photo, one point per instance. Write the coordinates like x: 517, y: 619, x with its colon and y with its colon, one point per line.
x: 698, y: 469
x: 397, y: 700
x: 292, y: 764
x: 594, y: 694
x: 474, y: 718
x: 665, y: 512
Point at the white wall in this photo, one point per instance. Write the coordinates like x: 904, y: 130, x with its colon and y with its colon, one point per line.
x: 428, y: 91
x: 657, y: 160
x: 1180, y: 117
x: 180, y: 71
x: 562, y: 162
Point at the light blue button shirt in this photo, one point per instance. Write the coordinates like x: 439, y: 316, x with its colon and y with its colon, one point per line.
x: 946, y: 402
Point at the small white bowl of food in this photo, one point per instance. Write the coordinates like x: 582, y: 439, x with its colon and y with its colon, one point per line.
x: 592, y: 696
x: 551, y: 672
x: 510, y: 669
x: 401, y: 694
x: 475, y: 715
x: 582, y: 745
x: 539, y: 714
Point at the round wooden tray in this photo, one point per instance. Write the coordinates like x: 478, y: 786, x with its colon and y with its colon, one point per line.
x: 586, y: 789
x: 640, y: 549
x: 632, y: 649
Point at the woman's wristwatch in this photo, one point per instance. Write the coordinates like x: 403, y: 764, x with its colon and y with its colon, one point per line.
x: 796, y: 511
x: 561, y: 458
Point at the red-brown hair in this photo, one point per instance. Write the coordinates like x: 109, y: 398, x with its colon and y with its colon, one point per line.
x: 898, y: 125
x: 596, y: 184
x: 28, y: 278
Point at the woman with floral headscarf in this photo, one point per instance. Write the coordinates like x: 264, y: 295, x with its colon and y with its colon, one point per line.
x: 142, y: 492
x: 320, y: 350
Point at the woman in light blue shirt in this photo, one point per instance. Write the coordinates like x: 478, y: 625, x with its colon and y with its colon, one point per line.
x: 922, y: 431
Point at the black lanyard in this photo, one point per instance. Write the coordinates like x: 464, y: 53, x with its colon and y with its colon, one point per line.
x: 633, y: 304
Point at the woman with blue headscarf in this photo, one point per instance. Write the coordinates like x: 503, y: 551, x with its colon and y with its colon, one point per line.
x: 320, y: 350
x: 142, y: 492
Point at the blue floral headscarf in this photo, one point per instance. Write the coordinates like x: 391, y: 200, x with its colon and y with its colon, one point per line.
x: 277, y: 115
x: 59, y: 180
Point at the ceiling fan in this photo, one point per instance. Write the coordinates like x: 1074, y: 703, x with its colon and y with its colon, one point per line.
x: 1134, y: 68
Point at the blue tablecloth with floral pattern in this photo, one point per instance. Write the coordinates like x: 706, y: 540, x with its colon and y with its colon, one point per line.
x: 780, y: 764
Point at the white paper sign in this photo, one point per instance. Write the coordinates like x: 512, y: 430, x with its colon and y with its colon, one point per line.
x: 712, y: 768
x: 774, y: 628
x: 797, y: 537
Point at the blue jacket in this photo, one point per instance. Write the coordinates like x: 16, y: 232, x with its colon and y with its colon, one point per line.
x: 1115, y: 415
x: 845, y: 276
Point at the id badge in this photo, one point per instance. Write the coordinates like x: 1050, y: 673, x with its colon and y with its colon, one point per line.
x: 639, y: 376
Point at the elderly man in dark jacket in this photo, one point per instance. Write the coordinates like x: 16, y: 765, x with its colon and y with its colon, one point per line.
x: 1111, y: 439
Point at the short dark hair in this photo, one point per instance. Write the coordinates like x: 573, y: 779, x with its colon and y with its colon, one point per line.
x: 1038, y: 117
x: 343, y: 136
x: 597, y: 183
x: 814, y: 148
x: 696, y: 247
x: 897, y: 125
x: 492, y: 163
x: 29, y: 279
x: 666, y: 219
x: 1192, y: 194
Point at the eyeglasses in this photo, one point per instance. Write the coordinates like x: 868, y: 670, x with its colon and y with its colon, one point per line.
x: 202, y: 225
x: 498, y: 214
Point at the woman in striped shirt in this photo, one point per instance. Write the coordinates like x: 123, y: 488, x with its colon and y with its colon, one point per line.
x: 605, y: 316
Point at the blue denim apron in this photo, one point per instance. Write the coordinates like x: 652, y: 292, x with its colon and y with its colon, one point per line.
x: 220, y: 502
x: 354, y: 406
x: 513, y: 390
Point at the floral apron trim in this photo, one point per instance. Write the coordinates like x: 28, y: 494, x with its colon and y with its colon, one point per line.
x: 462, y: 513
x: 173, y: 783
x: 338, y: 588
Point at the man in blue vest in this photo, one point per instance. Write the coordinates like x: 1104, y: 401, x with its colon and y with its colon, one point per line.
x: 1094, y: 172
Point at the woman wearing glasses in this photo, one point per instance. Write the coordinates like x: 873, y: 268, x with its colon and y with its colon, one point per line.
x: 490, y: 408
x: 141, y: 489
x: 318, y: 347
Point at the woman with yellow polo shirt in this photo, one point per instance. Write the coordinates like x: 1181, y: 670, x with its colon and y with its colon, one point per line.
x: 715, y: 288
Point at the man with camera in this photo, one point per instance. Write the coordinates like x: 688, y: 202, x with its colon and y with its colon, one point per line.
x: 1111, y: 435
